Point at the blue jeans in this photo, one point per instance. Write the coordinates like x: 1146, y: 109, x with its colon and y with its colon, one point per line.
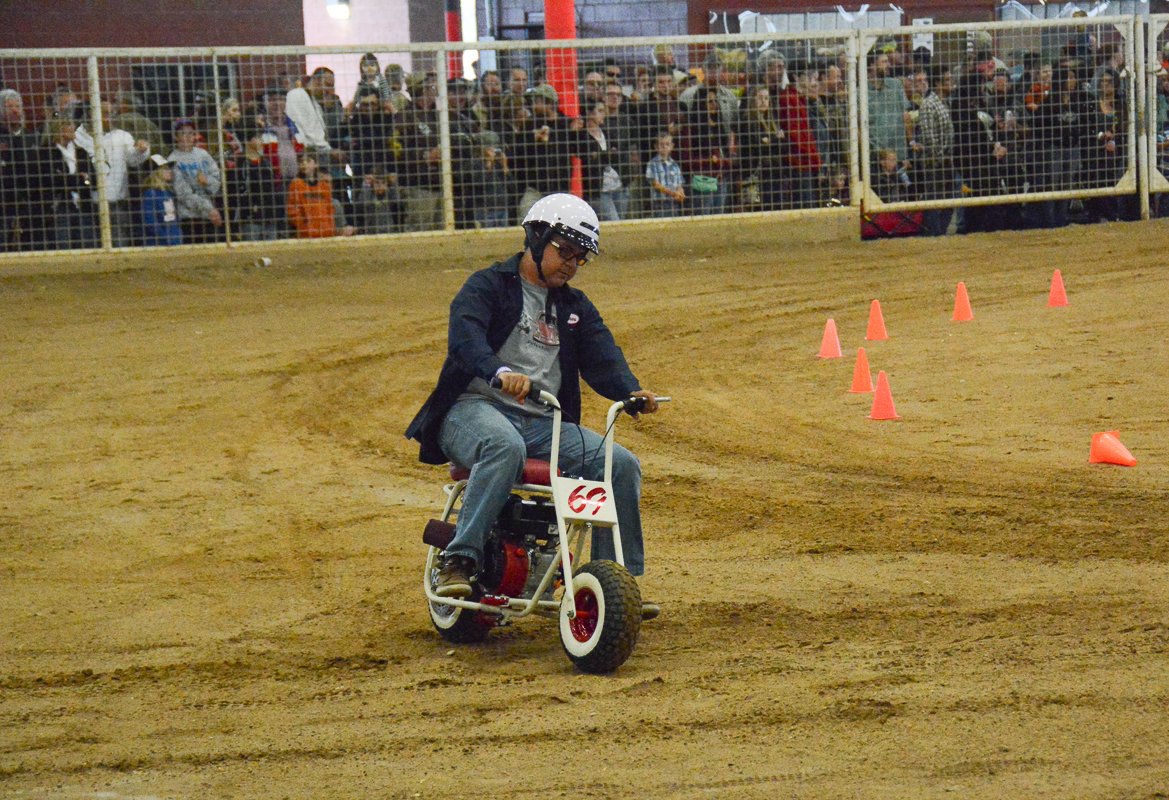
x: 702, y: 203
x: 616, y: 204
x: 936, y: 221
x: 491, y: 218
x: 260, y: 231
x: 663, y: 209
x: 494, y: 441
x: 75, y: 229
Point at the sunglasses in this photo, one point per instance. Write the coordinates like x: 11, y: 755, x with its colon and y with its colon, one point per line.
x: 570, y: 255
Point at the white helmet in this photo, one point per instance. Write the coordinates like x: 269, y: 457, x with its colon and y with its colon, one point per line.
x: 569, y: 216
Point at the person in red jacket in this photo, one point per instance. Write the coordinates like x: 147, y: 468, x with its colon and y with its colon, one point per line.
x: 311, y: 210
x: 803, y: 156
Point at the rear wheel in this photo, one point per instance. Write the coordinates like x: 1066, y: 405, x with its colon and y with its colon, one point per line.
x: 604, y: 631
x: 460, y: 625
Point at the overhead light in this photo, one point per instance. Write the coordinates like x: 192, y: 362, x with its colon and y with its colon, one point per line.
x: 338, y: 9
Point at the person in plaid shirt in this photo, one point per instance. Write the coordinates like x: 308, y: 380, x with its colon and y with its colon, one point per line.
x: 664, y: 176
x: 934, y: 150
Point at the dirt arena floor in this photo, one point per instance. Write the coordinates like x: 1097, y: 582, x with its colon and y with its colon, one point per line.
x: 210, y: 552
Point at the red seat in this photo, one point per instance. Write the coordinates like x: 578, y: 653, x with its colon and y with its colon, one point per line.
x: 536, y: 472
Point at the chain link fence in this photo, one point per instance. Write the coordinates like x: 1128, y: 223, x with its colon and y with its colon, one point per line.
x: 922, y: 130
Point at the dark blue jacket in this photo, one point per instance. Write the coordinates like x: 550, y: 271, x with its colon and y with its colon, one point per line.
x: 483, y: 315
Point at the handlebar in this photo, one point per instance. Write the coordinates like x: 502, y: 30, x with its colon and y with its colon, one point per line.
x: 631, y: 406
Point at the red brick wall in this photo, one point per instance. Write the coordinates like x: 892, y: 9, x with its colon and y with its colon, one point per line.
x: 152, y: 23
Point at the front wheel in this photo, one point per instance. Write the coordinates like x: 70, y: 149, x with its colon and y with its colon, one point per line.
x: 604, y: 631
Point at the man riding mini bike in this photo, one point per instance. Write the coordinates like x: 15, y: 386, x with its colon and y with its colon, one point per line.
x: 513, y: 324
x: 534, y: 551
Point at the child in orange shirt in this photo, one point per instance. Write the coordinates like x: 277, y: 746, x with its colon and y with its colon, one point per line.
x: 310, y: 202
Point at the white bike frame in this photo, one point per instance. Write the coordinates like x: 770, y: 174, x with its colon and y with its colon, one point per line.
x: 581, y: 505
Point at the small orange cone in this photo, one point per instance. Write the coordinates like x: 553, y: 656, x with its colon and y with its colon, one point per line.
x: 883, y: 400
x: 962, y: 310
x: 1057, y: 296
x: 830, y: 344
x: 876, y: 331
x: 862, y: 379
x: 1107, y: 449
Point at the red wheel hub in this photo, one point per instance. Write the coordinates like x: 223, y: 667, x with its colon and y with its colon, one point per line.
x: 588, y: 614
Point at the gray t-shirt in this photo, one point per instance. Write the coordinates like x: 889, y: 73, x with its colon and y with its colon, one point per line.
x: 533, y: 348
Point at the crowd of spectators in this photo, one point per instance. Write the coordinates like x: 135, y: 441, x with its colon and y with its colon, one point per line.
x: 987, y: 127
x: 741, y: 132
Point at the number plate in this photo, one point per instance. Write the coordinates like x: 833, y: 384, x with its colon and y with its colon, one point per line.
x: 578, y: 500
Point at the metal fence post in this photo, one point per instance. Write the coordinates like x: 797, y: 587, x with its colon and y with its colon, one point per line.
x: 1157, y: 181
x: 854, y: 161
x: 100, y: 158
x: 861, y: 113
x: 219, y: 143
x: 1139, y: 141
x: 444, y: 143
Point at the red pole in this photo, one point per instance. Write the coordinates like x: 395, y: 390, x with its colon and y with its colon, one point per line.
x: 454, y: 33
x: 560, y: 66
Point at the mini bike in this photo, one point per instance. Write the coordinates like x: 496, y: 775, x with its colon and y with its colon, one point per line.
x: 532, y: 559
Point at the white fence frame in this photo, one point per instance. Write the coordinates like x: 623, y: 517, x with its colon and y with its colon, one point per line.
x: 1128, y: 182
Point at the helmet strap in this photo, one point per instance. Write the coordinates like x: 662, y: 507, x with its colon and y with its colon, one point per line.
x: 537, y: 243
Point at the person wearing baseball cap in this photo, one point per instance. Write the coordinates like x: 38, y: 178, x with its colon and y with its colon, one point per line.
x: 542, y: 93
x: 159, y: 218
x: 545, y: 160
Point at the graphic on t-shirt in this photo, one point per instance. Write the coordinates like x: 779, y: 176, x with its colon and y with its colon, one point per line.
x: 546, y: 331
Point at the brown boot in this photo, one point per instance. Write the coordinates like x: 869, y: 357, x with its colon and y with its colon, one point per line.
x: 454, y: 577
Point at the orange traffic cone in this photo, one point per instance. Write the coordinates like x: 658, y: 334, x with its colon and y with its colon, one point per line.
x: 862, y: 379
x: 883, y: 400
x: 1057, y: 296
x: 962, y: 310
x: 876, y: 323
x: 1107, y: 449
x: 830, y: 344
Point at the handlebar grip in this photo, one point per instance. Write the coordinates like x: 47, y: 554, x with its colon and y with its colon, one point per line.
x: 633, y: 406
x: 533, y: 393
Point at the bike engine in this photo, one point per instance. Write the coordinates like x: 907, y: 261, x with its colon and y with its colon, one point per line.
x: 520, y: 547
x: 527, y: 516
